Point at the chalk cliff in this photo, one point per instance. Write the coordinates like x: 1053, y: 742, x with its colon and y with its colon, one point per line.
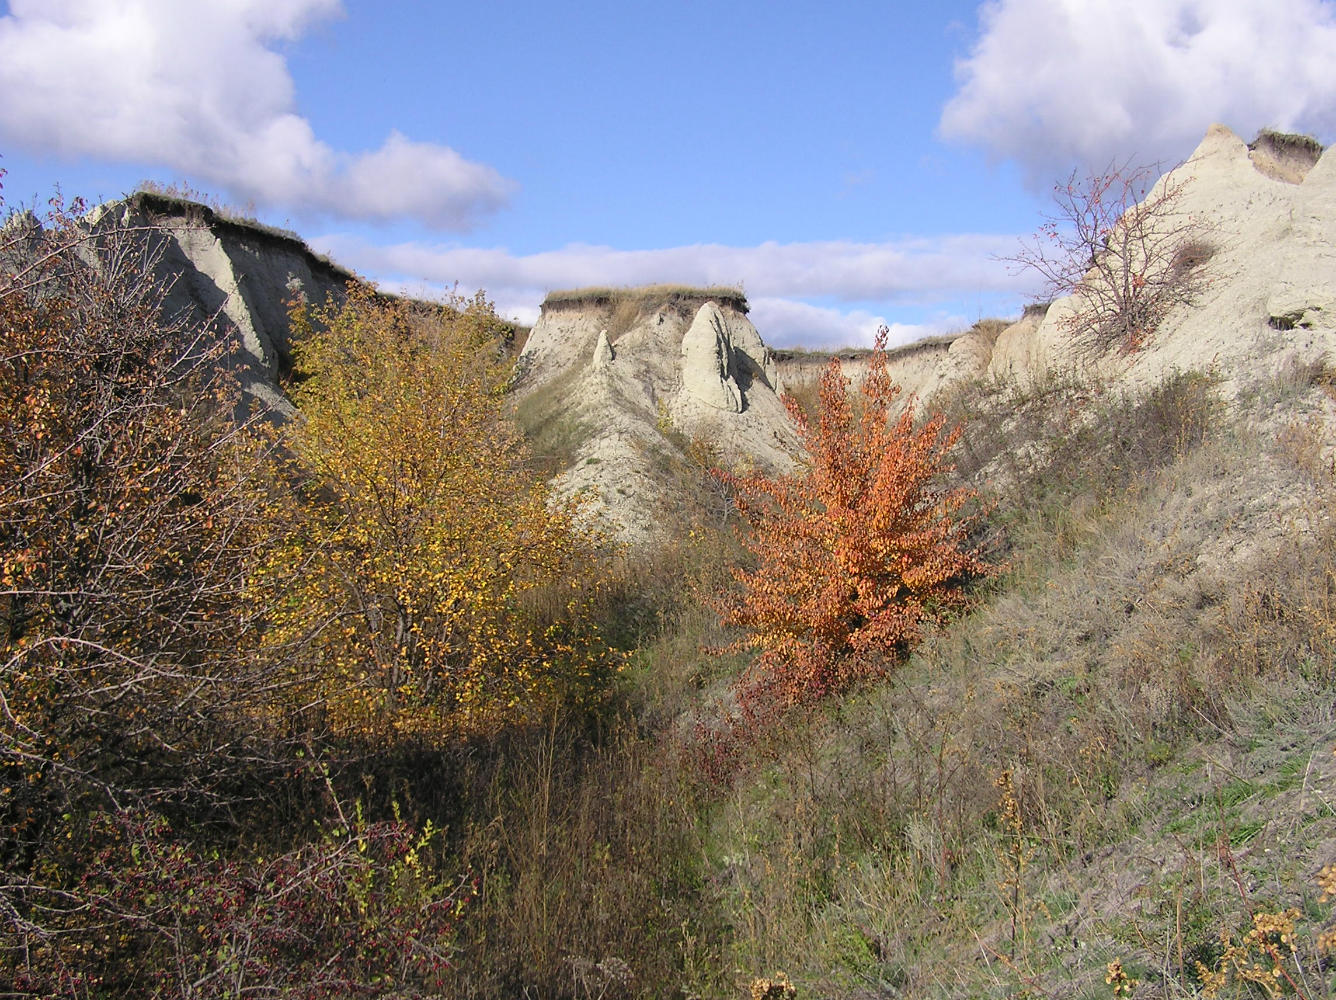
x: 624, y: 389
x: 633, y: 377
x: 241, y: 272
x: 1268, y: 298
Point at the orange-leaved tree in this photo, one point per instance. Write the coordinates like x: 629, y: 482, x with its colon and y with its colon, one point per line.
x: 426, y: 572
x: 855, y: 552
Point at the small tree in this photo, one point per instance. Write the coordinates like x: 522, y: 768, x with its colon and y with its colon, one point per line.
x: 1123, y: 246
x: 423, y: 569
x: 854, y: 553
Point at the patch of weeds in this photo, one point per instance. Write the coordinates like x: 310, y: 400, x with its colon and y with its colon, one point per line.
x: 1294, y: 766
x: 1246, y: 832
x: 1236, y: 792
x: 1188, y: 822
x: 1158, y: 753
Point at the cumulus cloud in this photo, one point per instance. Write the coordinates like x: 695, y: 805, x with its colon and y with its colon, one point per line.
x: 199, y: 87
x: 911, y: 270
x: 786, y: 322
x: 777, y: 278
x: 1057, y: 83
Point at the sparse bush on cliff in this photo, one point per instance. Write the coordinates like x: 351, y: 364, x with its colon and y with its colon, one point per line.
x: 1124, y: 247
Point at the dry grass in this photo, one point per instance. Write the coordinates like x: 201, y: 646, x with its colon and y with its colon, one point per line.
x: 553, y: 433
x: 1287, y: 142
x: 646, y: 296
x: 1153, y: 674
x: 1110, y: 655
x: 199, y: 209
x: 588, y: 865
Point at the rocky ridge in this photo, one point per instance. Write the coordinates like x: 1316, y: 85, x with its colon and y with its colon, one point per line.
x: 621, y: 387
x: 234, y: 271
x: 633, y: 364
x: 1269, y: 301
x: 638, y: 375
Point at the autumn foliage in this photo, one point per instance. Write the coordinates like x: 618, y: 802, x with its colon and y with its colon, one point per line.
x: 855, y: 553
x: 126, y: 529
x: 425, y: 573
x: 199, y: 608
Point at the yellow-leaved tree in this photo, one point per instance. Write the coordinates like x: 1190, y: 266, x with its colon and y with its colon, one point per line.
x: 421, y: 565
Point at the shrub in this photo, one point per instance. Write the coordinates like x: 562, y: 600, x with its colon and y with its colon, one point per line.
x: 1124, y: 248
x: 130, y: 678
x: 441, y: 589
x: 856, y: 552
x: 357, y: 911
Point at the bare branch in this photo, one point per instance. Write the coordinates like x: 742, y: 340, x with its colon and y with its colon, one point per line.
x: 1123, y: 246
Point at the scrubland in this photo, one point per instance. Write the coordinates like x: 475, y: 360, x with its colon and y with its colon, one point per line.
x: 1110, y: 774
x: 1121, y: 754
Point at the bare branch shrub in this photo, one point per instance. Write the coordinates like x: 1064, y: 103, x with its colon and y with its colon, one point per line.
x: 1123, y: 245
x: 128, y: 670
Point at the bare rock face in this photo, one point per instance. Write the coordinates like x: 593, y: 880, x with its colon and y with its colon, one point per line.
x: 628, y: 381
x: 921, y: 369
x: 707, y: 362
x: 1019, y: 352
x: 1285, y: 158
x: 602, y: 352
x: 240, y: 274
x: 635, y: 376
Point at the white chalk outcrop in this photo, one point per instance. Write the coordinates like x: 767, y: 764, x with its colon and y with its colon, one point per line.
x: 603, y: 354
x: 921, y: 369
x: 240, y: 274
x: 638, y: 374
x: 1269, y: 298
x: 707, y: 361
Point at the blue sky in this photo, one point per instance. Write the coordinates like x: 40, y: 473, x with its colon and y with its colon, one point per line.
x: 847, y: 163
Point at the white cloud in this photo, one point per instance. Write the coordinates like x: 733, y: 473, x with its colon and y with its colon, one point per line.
x: 922, y: 273
x: 1053, y: 83
x: 198, y: 87
x: 786, y: 323
x: 911, y: 270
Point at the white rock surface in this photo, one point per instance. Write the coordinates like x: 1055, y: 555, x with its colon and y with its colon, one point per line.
x: 682, y: 369
x: 920, y: 369
x: 1271, y: 283
x: 602, y: 352
x: 641, y: 376
x: 242, y: 274
x: 707, y: 362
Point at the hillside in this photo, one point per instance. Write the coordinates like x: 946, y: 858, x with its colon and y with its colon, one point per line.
x: 1126, y: 750
x: 352, y: 704
x: 1266, y: 217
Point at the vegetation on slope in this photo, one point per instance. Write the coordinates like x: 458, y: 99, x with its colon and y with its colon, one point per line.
x: 856, y: 553
x: 643, y: 295
x: 225, y: 647
x: 1112, y: 776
